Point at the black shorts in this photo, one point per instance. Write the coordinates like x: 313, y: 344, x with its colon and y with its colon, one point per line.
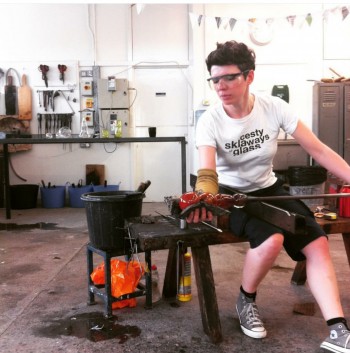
x: 257, y: 231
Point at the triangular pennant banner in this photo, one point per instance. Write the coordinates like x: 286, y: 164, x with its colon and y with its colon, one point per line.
x: 308, y: 19
x: 326, y: 15
x: 224, y: 22
x: 200, y: 17
x: 269, y: 21
x: 218, y: 21
x: 291, y: 19
x: 232, y: 23
x: 345, y: 12
x: 192, y: 19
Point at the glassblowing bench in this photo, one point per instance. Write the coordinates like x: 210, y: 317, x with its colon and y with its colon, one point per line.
x: 40, y: 139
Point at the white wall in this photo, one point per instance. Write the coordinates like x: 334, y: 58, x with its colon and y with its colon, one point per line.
x: 297, y: 55
x: 156, y: 50
x: 123, y: 43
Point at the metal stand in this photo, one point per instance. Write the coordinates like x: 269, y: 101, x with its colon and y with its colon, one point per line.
x: 104, y: 292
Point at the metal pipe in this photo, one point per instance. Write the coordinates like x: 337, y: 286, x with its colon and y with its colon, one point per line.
x: 239, y: 200
x: 295, y: 197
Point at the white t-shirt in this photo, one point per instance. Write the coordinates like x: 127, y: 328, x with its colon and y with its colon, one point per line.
x: 246, y: 147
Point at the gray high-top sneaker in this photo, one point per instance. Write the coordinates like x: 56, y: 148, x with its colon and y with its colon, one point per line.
x: 249, y: 317
x: 339, y: 339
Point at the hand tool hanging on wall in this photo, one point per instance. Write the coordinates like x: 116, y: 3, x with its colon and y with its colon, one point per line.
x: 51, y: 123
x: 54, y: 95
x: 45, y: 100
x: 10, y: 95
x: 39, y: 117
x: 44, y: 70
x: 24, y: 100
x: 62, y: 69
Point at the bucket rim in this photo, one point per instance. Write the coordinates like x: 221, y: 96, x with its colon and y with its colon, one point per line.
x: 112, y: 196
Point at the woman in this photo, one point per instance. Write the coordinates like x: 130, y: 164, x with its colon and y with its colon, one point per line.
x: 237, y: 141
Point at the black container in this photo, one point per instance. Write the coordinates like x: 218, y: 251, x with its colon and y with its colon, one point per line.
x: 24, y: 196
x: 106, y: 213
x: 304, y: 176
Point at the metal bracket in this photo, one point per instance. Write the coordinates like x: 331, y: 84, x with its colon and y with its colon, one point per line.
x: 288, y: 221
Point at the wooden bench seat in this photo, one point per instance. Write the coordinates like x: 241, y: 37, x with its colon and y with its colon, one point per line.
x: 166, y: 234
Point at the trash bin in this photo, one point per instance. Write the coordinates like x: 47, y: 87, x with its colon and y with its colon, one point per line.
x: 106, y: 213
x: 24, y: 196
x: 307, y: 181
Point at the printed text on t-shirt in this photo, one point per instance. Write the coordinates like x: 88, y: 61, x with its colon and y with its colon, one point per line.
x: 247, y: 142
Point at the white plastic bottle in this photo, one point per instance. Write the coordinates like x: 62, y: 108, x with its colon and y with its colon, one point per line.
x: 155, y: 285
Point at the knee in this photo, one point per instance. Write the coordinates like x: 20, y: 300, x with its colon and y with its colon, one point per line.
x: 273, y: 245
x: 319, y: 248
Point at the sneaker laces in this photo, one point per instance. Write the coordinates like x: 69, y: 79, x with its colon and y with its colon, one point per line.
x: 253, y: 315
x: 335, y: 336
x: 347, y: 338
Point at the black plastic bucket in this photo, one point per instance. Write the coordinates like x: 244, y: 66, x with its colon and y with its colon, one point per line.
x: 303, y: 176
x: 24, y: 196
x: 308, y: 181
x: 106, y: 213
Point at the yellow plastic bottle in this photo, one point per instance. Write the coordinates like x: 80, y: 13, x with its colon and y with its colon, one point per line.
x: 184, y: 292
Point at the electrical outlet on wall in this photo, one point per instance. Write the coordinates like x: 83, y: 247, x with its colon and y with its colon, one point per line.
x: 112, y: 86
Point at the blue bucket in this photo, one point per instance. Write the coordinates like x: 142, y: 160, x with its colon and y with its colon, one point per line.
x: 75, y: 194
x: 101, y: 188
x: 53, y: 197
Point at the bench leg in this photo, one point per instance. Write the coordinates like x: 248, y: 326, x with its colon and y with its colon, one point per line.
x: 299, y: 274
x: 346, y: 240
x: 108, y: 285
x: 89, y: 258
x: 206, y: 293
x: 170, y: 285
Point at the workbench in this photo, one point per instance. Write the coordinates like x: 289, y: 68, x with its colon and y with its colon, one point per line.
x: 163, y: 233
x: 41, y: 139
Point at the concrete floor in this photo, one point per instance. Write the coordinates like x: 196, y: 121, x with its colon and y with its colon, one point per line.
x: 43, y: 296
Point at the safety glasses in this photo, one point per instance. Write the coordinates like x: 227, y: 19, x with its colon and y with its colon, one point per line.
x: 228, y: 79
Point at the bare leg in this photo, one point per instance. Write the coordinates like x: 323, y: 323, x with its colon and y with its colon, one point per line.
x: 322, y: 279
x: 258, y: 262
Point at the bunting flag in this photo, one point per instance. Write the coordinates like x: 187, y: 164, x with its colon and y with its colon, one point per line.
x: 200, y: 19
x: 345, y: 12
x: 291, y: 19
x: 230, y: 22
x: 218, y: 21
x: 193, y: 19
x: 308, y: 19
x: 269, y: 21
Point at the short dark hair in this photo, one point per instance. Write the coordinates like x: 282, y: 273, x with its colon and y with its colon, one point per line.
x: 232, y: 53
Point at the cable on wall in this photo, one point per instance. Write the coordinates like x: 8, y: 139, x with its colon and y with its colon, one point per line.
x: 91, y: 13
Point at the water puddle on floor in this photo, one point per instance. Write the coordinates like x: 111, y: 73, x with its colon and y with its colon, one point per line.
x: 40, y: 225
x: 93, y: 326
